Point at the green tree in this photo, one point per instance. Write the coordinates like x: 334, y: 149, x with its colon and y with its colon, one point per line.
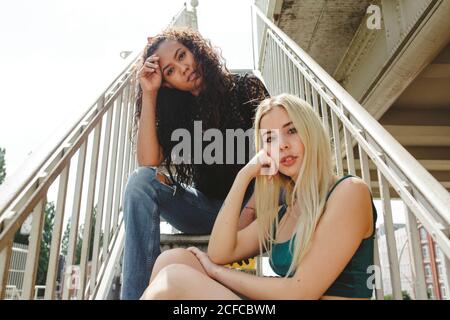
x: 2, y: 165
x: 65, y: 239
x: 405, y: 296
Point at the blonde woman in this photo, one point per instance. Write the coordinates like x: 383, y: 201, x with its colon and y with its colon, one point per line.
x: 320, y: 242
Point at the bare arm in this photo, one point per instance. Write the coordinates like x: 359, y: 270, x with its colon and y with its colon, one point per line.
x: 227, y: 243
x: 224, y: 245
x: 149, y: 151
x: 248, y: 213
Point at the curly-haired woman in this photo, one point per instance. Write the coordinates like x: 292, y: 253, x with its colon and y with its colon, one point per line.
x: 183, y: 79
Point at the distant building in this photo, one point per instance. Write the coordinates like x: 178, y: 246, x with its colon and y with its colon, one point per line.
x: 433, y: 264
x: 16, y: 271
x: 434, y: 267
x: 403, y: 254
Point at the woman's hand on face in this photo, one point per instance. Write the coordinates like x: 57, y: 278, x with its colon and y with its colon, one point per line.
x: 262, y: 164
x: 150, y: 76
x: 210, y: 267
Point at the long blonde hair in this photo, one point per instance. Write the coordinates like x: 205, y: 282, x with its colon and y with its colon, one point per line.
x: 315, y: 178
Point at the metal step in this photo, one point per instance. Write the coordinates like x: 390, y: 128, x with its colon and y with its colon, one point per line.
x: 170, y: 241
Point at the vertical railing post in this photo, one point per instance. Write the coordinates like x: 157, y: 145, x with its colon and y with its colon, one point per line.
x: 364, y: 165
x: 349, y: 152
x: 415, y: 248
x: 97, y: 258
x: 34, y: 250
x: 307, y: 91
x: 285, y: 74
x: 89, y: 210
x: 273, y: 78
x: 112, y: 174
x: 133, y: 158
x: 301, y: 86
x: 365, y: 174
x: 268, y: 74
x: 73, y: 234
x: 5, y: 261
x: 262, y: 36
x: 291, y: 76
x: 278, y: 86
x: 315, y: 102
x: 394, y: 267
x: 324, y: 109
x: 296, y: 82
x: 120, y: 161
x: 50, y: 283
x: 254, y: 21
x: 336, y: 144
x: 128, y: 151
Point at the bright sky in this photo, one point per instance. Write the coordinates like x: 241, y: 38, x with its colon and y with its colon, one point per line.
x: 58, y: 56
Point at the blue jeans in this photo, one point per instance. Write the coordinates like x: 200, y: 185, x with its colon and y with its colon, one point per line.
x: 145, y: 200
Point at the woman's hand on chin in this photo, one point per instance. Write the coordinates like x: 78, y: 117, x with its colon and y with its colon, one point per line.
x: 262, y: 164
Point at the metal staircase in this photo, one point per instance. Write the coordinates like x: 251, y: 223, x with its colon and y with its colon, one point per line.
x: 93, y: 158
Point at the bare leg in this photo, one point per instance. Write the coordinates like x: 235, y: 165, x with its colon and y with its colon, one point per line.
x: 179, y: 281
x: 175, y: 256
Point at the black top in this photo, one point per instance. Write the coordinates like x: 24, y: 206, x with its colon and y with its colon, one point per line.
x: 215, y: 180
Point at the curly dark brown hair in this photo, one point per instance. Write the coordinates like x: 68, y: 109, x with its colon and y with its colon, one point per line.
x: 209, y: 106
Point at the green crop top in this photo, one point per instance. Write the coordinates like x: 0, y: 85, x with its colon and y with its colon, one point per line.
x: 353, y: 281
